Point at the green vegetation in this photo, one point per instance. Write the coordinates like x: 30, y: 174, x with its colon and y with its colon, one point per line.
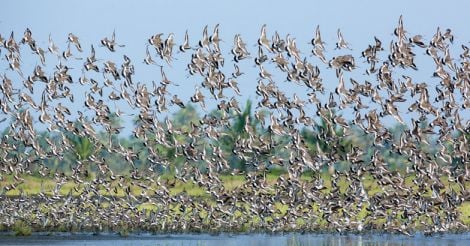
x: 21, y: 228
x: 230, y: 183
x: 465, y: 213
x: 146, y: 178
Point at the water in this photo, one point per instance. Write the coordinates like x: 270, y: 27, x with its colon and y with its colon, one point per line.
x: 238, y: 239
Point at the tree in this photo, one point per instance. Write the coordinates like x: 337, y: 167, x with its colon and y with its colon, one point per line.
x: 83, y: 147
x: 185, y: 116
x: 329, y: 138
x: 236, y: 131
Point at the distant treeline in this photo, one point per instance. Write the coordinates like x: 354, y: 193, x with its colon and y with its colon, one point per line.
x: 326, y: 141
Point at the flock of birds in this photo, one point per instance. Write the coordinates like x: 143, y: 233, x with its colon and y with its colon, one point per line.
x: 430, y: 202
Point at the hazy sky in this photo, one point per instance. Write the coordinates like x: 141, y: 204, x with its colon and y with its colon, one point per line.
x: 135, y: 21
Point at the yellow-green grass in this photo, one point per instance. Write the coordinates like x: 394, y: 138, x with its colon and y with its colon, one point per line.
x: 31, y: 185
x: 464, y: 210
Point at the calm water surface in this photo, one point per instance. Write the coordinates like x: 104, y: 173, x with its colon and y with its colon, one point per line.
x: 239, y: 239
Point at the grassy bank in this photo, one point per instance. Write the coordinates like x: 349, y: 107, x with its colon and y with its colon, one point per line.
x: 312, y: 218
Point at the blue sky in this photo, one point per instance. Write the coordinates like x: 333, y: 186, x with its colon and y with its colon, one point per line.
x: 135, y: 21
